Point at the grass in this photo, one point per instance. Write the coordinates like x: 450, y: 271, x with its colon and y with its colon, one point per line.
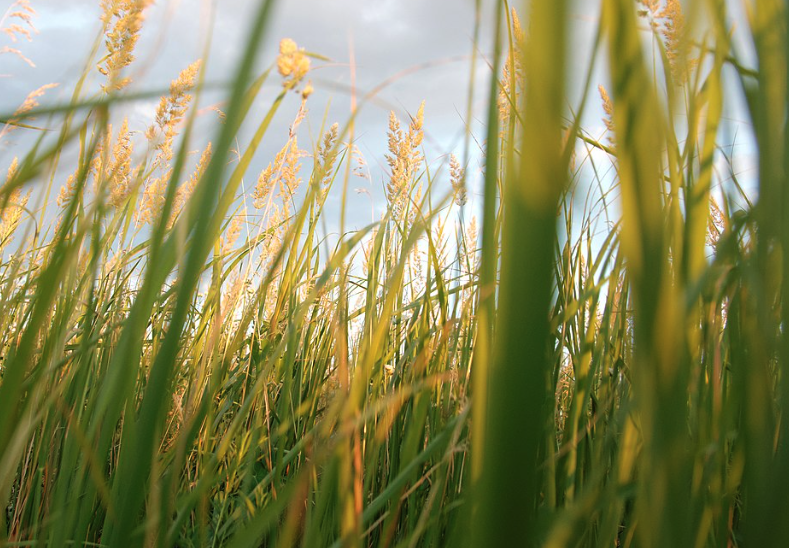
x: 602, y: 365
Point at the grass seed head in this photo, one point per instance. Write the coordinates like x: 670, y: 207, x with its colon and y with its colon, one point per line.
x: 18, y: 21
x: 187, y: 188
x: 121, y: 171
x: 153, y: 199
x: 292, y: 63
x: 608, y: 108
x: 404, y: 158
x: 171, y: 111
x: 13, y: 207
x: 457, y: 177
x: 122, y: 23
x: 327, y: 154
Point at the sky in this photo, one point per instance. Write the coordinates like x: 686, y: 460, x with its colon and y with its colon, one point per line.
x: 384, y: 40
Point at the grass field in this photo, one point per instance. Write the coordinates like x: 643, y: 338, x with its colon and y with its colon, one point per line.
x: 598, y: 361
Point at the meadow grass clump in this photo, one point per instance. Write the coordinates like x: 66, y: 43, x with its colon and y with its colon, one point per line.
x: 599, y: 361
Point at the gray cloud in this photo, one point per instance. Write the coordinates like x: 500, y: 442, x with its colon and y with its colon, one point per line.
x: 387, y: 37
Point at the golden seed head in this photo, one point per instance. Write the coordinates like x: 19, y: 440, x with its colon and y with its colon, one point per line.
x: 608, y: 108
x: 471, y: 234
x: 263, y: 187
x: 289, y: 181
x: 517, y: 30
x: 716, y: 224
x: 283, y: 173
x: 674, y: 33
x: 361, y: 164
x: 231, y: 234
x: 30, y: 102
x: 292, y: 63
x: 67, y: 191
x: 122, y: 24
x: 12, y: 208
x: 171, y: 111
x: 187, y: 187
x: 457, y: 177
x: 120, y: 174
x: 327, y: 154
x: 287, y: 47
x: 20, y: 22
x: 153, y: 199
x: 416, y: 130
x: 12, y: 169
x: 404, y: 158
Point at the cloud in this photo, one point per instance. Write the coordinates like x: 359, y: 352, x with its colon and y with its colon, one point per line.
x: 387, y: 37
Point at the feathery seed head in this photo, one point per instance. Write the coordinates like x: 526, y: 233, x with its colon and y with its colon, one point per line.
x: 231, y: 234
x: 288, y: 179
x: 608, y: 108
x: 153, y: 199
x: 187, y: 188
x: 404, y: 158
x: 67, y: 191
x: 120, y: 170
x: 508, y: 93
x: 171, y: 111
x: 327, y: 154
x: 12, y: 207
x: 517, y: 30
x: 416, y: 128
x: 19, y: 19
x: 283, y: 173
x: 12, y: 169
x: 674, y: 33
x: 30, y: 102
x: 292, y: 63
x: 122, y: 23
x: 263, y: 187
x: 11, y: 214
x: 361, y: 164
x: 457, y: 176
